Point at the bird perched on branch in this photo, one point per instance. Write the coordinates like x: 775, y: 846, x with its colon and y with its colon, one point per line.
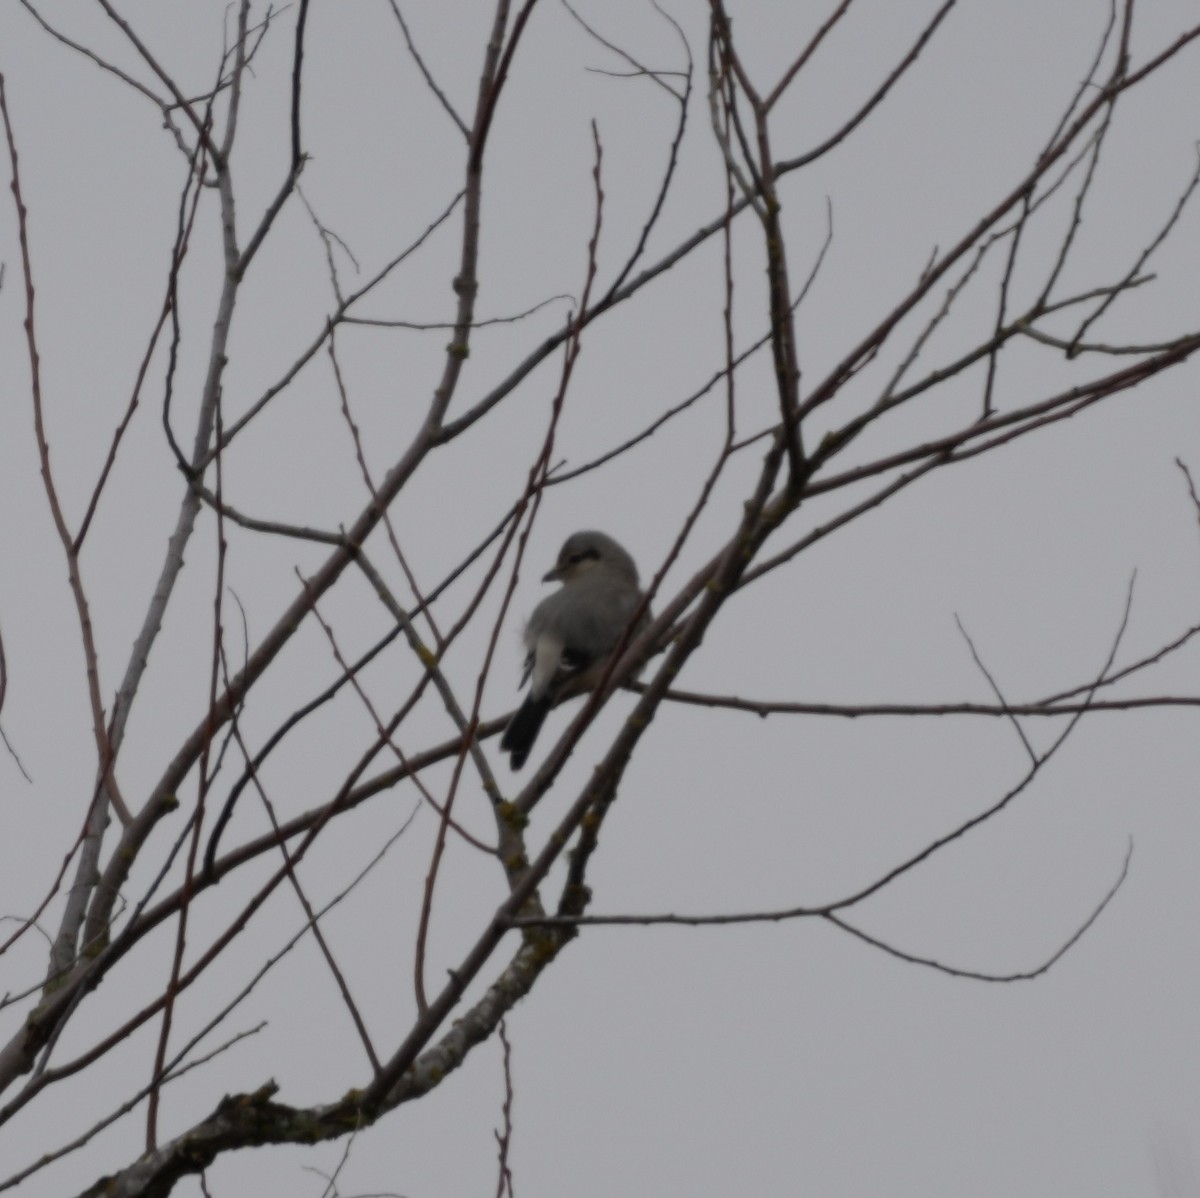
x: 573, y: 632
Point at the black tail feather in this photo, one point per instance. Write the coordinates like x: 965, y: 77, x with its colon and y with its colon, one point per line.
x: 523, y: 728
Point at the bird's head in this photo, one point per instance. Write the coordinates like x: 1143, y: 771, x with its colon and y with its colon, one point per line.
x: 584, y: 551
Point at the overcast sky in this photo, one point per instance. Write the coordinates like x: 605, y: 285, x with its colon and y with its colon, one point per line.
x: 765, y: 1059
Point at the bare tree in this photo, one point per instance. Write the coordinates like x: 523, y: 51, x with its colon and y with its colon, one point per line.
x: 360, y: 669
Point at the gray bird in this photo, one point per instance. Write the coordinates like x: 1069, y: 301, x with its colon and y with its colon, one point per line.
x: 573, y: 632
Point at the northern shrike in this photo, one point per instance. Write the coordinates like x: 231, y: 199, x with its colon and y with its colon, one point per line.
x: 573, y: 632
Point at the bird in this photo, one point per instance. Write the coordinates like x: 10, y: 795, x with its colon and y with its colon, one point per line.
x: 572, y: 633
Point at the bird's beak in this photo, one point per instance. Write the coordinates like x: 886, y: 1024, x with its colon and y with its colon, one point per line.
x: 554, y: 575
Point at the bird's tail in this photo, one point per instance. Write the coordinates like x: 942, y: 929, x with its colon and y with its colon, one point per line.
x: 523, y: 728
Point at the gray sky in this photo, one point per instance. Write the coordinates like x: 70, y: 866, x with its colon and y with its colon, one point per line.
x: 767, y: 1059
